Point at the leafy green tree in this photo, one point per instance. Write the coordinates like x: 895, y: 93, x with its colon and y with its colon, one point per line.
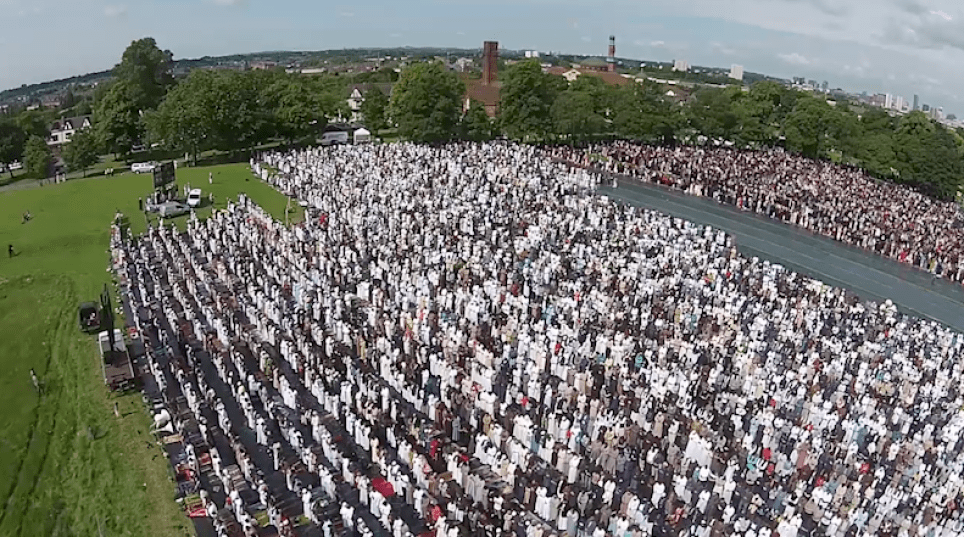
x: 427, y: 103
x: 575, y: 117
x: 807, y: 128
x: 476, y: 124
x: 642, y: 113
x: 36, y: 157
x: 184, y: 120
x: 12, y: 141
x: 332, y: 92
x: 34, y: 123
x: 147, y: 71
x: 69, y: 100
x: 81, y: 152
x: 527, y: 95
x: 712, y: 113
x: 373, y: 109
x: 117, y: 119
x: 297, y: 112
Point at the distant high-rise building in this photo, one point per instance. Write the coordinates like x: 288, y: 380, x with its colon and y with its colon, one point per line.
x: 736, y: 72
x: 681, y: 66
x: 490, y: 62
x: 825, y: 86
x: 925, y: 108
x: 916, y: 102
x: 813, y: 83
x: 532, y: 54
x: 611, y: 59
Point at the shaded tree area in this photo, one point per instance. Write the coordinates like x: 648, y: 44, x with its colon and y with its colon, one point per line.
x: 426, y: 103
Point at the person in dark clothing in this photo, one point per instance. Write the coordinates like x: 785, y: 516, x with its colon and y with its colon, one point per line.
x: 9, y: 250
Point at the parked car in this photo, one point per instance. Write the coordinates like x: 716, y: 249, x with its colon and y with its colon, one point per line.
x: 143, y: 167
x: 171, y: 209
x: 194, y: 198
x: 334, y: 138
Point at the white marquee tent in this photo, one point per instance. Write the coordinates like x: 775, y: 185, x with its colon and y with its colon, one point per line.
x: 362, y: 135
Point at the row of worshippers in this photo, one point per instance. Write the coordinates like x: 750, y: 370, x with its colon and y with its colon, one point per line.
x: 804, y: 404
x: 837, y: 201
x: 486, y: 293
x: 155, y: 289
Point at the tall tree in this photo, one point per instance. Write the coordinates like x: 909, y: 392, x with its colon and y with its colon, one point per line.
x: 426, y: 103
x: 36, y: 157
x: 147, y: 69
x: 527, y: 95
x: 373, y: 109
x: 476, y: 124
x: 184, y: 121
x: 117, y: 119
x: 807, y: 127
x: 575, y: 117
x: 296, y: 110
x: 81, y: 152
x: 34, y: 123
x: 641, y: 112
x: 12, y: 140
x: 712, y: 113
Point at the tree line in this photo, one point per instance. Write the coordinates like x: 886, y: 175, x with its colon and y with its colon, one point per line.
x: 236, y: 111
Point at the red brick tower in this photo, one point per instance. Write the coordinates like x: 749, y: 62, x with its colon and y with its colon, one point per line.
x: 490, y: 62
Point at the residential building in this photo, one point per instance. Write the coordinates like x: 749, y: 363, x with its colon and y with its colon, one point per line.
x: 681, y: 66
x: 486, y: 94
x: 594, y: 64
x: 61, y: 131
x: 357, y: 94
x: 571, y: 74
x: 532, y: 54
x: 736, y: 72
x: 263, y: 65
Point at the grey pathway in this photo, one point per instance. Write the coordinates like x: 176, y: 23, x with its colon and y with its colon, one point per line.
x: 868, y: 275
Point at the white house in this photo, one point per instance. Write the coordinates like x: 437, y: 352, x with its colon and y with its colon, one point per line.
x: 357, y: 97
x: 61, y: 131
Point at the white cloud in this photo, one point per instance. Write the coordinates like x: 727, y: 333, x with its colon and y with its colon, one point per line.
x: 117, y: 11
x: 794, y: 58
x: 943, y: 15
x: 586, y: 38
x: 657, y: 44
x: 230, y: 2
x: 722, y: 49
x: 395, y: 35
x: 347, y: 14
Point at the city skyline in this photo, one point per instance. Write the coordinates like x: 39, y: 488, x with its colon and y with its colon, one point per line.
x: 900, y: 47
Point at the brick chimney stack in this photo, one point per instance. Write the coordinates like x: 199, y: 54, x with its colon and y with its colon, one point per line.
x: 490, y: 62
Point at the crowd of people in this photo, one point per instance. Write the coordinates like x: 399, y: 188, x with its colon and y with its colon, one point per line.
x: 469, y: 340
x: 836, y: 201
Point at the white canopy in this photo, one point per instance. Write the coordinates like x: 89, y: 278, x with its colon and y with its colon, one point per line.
x: 362, y: 135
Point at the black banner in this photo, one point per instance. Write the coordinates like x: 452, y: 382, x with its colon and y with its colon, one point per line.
x: 163, y: 174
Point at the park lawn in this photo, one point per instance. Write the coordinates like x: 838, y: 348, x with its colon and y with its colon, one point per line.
x: 68, y: 466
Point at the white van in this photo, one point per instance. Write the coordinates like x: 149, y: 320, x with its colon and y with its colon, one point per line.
x: 143, y: 167
x: 334, y: 138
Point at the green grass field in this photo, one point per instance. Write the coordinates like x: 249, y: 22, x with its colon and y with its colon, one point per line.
x: 68, y: 466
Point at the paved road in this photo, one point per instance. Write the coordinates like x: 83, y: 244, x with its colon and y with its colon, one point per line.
x: 868, y: 275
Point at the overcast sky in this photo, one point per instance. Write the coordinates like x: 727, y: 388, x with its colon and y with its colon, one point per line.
x: 890, y: 46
